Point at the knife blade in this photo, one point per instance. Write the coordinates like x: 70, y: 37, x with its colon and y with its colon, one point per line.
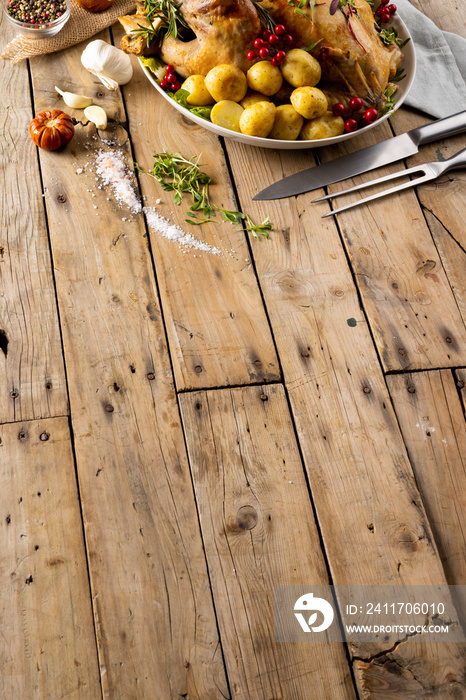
x: 364, y: 160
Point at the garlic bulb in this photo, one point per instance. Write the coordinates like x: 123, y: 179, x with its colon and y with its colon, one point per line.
x: 73, y: 100
x: 97, y: 115
x: 111, y: 65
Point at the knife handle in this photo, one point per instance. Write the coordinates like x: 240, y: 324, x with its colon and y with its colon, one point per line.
x: 448, y: 126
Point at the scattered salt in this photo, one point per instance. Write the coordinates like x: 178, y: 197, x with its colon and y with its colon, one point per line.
x: 174, y: 233
x: 111, y: 168
x: 158, y: 201
x: 79, y: 171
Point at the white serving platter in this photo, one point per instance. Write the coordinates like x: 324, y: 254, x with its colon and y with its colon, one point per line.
x: 404, y: 86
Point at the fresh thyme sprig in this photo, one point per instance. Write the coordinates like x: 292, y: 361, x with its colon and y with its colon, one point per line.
x: 390, y: 36
x: 177, y: 174
x: 389, y: 106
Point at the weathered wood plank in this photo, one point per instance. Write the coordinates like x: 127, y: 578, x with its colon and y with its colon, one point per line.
x: 443, y: 202
x: 216, y: 325
x: 48, y: 646
x: 374, y: 526
x: 404, y: 287
x: 259, y: 532
x: 154, y: 616
x: 31, y: 361
x: 432, y: 423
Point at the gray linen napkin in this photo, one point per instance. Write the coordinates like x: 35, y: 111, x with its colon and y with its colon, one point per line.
x: 439, y: 88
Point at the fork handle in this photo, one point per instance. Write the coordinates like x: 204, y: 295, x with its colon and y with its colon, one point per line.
x: 448, y: 126
x: 456, y: 161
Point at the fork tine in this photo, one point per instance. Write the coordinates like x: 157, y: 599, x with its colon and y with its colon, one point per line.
x: 377, y: 181
x: 398, y: 188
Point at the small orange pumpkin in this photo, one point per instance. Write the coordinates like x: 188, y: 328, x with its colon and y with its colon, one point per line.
x: 51, y: 129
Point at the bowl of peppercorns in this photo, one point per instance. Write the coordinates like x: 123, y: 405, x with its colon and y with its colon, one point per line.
x: 37, y: 19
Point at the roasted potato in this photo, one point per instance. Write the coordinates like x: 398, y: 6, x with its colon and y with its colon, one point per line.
x: 287, y: 124
x: 264, y: 78
x: 300, y: 68
x: 251, y: 98
x: 227, y: 113
x: 198, y: 93
x: 226, y: 82
x: 323, y: 127
x: 310, y: 102
x: 258, y: 119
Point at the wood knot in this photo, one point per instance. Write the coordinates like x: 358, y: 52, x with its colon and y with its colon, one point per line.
x: 258, y: 363
x: 401, y: 351
x: 367, y: 390
x: 247, y: 518
x: 150, y: 376
x: 109, y: 408
x: 198, y: 369
x: 198, y: 406
x: 61, y: 198
x: 411, y: 389
x: 14, y: 394
x: 304, y: 353
x: 264, y: 397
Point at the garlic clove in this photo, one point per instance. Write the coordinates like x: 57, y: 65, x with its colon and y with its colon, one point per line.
x: 73, y: 100
x: 97, y: 115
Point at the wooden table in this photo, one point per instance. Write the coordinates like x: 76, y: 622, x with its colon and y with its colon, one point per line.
x: 183, y: 431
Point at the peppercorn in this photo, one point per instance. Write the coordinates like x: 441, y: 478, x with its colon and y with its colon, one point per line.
x: 36, y: 12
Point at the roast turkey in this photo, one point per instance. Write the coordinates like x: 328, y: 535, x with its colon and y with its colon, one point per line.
x: 344, y: 36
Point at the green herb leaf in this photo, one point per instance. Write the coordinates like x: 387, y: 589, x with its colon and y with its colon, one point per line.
x: 182, y: 176
x: 311, y: 46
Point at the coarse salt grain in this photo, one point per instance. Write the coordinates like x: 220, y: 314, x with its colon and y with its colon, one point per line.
x: 161, y: 225
x: 111, y: 168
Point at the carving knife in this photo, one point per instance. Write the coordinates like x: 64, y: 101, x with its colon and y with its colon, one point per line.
x: 366, y: 159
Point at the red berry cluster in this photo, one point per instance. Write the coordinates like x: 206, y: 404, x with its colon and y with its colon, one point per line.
x: 271, y: 44
x: 385, y: 11
x: 355, y: 105
x: 170, y: 81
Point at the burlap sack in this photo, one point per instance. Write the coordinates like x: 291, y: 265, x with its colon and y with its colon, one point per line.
x: 80, y: 26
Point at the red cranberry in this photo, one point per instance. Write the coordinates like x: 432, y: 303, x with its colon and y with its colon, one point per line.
x: 251, y: 55
x: 264, y: 52
x: 281, y: 55
x: 265, y: 34
x: 392, y: 9
x: 258, y: 43
x: 385, y: 17
x: 169, y: 68
x: 164, y: 84
x: 355, y: 104
x: 351, y: 125
x: 371, y: 115
x: 281, y: 29
x: 170, y: 77
x: 273, y: 39
x: 338, y: 109
x: 288, y: 39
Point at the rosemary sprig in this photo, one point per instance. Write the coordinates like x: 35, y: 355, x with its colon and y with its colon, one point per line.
x: 172, y: 21
x: 182, y: 176
x: 265, y: 16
